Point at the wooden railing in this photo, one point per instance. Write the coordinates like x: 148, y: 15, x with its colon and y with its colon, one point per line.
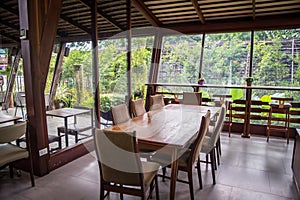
x: 242, y: 113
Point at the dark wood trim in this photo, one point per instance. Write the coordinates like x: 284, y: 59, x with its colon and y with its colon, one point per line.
x: 139, y: 5
x: 57, y: 73
x: 198, y: 10
x: 251, y: 53
x: 69, y: 154
x: 94, y: 35
x: 237, y: 26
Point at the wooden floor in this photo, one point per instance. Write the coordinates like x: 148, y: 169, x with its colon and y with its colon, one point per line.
x: 250, y: 169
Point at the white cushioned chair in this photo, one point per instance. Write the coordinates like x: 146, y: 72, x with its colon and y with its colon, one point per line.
x: 10, y: 153
x: 120, y: 114
x: 121, y: 169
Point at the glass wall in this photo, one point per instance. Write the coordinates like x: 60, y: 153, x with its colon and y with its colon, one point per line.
x: 226, y: 58
x: 180, y: 59
x: 276, y: 61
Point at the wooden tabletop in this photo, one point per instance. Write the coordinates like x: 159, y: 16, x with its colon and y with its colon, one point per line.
x: 8, y: 118
x: 175, y: 125
x: 66, y: 112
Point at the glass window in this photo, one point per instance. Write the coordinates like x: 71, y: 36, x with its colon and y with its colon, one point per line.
x: 226, y: 58
x: 180, y: 59
x: 276, y: 60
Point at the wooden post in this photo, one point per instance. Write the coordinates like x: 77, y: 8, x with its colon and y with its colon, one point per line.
x: 94, y: 36
x: 57, y: 73
x: 129, y: 36
x: 38, y: 23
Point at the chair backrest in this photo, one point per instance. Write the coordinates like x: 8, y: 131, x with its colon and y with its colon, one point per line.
x: 192, y: 98
x: 20, y: 99
x: 118, y: 157
x: 197, y: 144
x: 218, y: 126
x: 138, y: 107
x: 156, y: 102
x: 12, y: 132
x: 120, y: 114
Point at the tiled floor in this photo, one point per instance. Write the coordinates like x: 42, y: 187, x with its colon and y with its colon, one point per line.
x: 250, y: 169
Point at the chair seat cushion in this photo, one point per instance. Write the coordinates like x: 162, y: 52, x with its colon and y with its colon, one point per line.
x: 10, y: 153
x: 150, y: 170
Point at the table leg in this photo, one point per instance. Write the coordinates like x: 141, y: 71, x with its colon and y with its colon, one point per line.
x: 66, y: 132
x: 174, y: 169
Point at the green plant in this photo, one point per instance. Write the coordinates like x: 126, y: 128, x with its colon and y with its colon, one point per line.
x: 249, y: 79
x: 63, y: 95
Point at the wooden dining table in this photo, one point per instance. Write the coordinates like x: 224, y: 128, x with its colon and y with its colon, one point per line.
x: 4, y: 118
x: 168, y: 130
x: 66, y: 113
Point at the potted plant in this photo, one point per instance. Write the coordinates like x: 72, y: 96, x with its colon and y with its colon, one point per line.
x: 249, y: 80
x: 61, y: 97
x: 201, y: 81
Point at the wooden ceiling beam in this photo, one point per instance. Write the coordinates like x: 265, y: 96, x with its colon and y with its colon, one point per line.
x: 9, y: 9
x: 236, y: 26
x: 12, y: 26
x: 9, y: 36
x: 253, y: 9
x: 139, y: 5
x: 105, y: 16
x: 198, y: 10
x: 75, y: 23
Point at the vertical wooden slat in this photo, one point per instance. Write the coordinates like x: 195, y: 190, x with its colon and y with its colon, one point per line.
x: 94, y: 36
x: 201, y: 56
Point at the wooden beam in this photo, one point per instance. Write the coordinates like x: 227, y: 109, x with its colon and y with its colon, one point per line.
x: 95, y: 67
x: 129, y: 40
x: 12, y: 26
x: 38, y: 19
x: 226, y: 27
x: 139, y: 5
x: 198, y: 10
x: 105, y: 16
x: 253, y: 9
x: 9, y: 9
x: 57, y: 73
x: 9, y: 36
x: 74, y: 23
x: 11, y: 81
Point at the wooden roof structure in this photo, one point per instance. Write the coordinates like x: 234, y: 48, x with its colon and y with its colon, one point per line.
x: 186, y: 16
x: 35, y: 25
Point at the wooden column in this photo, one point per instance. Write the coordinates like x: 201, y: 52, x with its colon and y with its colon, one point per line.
x: 246, y: 132
x: 201, y: 56
x: 57, y: 73
x: 38, y: 24
x: 156, y: 52
x: 129, y: 36
x: 94, y: 36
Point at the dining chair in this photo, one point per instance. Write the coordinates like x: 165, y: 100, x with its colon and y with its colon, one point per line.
x: 188, y: 157
x: 138, y: 107
x: 20, y: 102
x: 120, y: 166
x: 210, y: 142
x: 9, y: 152
x: 107, y: 116
x: 120, y: 114
x: 156, y: 102
x: 192, y: 98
